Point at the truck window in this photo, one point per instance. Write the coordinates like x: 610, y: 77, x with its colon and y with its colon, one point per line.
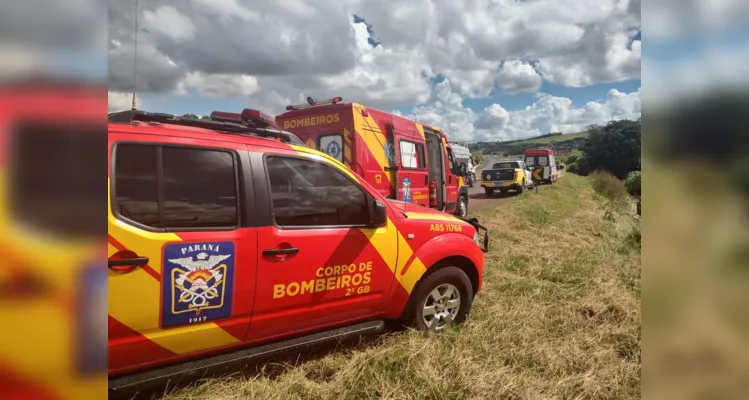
x: 199, y: 186
x: 332, y: 145
x: 412, y: 155
x: 450, y: 161
x: 505, y: 165
x: 308, y: 193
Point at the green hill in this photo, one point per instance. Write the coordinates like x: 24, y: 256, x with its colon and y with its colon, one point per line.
x: 519, y: 146
x: 554, y: 139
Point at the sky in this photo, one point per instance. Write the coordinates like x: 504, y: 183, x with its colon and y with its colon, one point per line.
x: 482, y: 70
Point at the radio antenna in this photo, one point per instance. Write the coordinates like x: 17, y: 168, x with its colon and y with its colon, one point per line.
x: 135, y: 56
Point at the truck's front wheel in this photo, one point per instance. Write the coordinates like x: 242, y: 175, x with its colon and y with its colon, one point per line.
x: 471, y: 180
x: 442, y: 298
x: 462, y: 210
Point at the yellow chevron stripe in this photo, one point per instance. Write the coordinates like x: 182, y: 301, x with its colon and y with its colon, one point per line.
x: 374, y: 139
x: 382, y: 239
x: 135, y: 298
x: 420, y: 128
x: 346, y: 144
x: 45, y: 321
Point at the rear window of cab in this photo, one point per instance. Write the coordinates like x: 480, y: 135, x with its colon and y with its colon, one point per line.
x: 506, y: 165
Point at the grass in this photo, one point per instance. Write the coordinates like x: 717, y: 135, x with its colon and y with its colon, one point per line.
x: 558, y: 318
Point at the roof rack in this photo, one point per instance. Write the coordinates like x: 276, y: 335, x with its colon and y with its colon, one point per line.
x: 223, y: 124
x: 312, y: 102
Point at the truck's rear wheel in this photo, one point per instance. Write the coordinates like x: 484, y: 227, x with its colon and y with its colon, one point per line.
x: 471, y: 180
x: 442, y: 298
x: 489, y: 192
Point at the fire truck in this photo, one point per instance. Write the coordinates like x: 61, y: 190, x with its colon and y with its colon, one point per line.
x: 403, y: 159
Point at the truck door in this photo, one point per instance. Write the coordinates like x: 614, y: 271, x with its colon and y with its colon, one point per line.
x: 319, y: 263
x: 182, y: 257
x: 413, y: 176
x: 452, y: 184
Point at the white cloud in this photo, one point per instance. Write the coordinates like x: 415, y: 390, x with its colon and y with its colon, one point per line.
x: 668, y: 19
x: 169, y: 21
x: 276, y: 53
x: 220, y: 85
x: 120, y: 101
x: 300, y: 48
x: 547, y: 114
x: 518, y: 77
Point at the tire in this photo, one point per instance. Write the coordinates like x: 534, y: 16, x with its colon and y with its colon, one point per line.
x: 462, y: 202
x: 444, y: 283
x: 521, y: 189
x: 471, y: 180
x: 489, y: 192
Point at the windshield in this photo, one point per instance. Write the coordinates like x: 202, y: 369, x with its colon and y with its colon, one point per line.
x: 506, y: 165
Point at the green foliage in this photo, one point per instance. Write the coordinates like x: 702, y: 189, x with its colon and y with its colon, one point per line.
x: 190, y: 116
x: 633, y: 183
x: 609, y: 186
x: 571, y: 159
x: 614, y: 148
x: 572, y: 168
x: 478, y: 159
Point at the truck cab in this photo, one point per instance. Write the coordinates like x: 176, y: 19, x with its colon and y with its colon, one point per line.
x: 403, y: 159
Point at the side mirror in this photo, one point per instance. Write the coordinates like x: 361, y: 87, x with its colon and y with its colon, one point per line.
x: 378, y: 214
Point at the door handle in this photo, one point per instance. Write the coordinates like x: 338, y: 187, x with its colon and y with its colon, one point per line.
x: 138, y: 262
x: 126, y: 265
x: 280, y: 252
x: 426, y: 179
x: 450, y: 179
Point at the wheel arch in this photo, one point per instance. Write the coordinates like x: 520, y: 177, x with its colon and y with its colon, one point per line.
x: 461, y: 262
x: 463, y: 191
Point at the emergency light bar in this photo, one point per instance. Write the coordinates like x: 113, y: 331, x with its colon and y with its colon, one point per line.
x: 224, y: 123
x: 248, y: 117
x: 312, y: 102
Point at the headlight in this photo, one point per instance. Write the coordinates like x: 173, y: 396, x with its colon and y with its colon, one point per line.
x: 476, y: 238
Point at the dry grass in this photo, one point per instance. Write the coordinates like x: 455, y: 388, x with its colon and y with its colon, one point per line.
x: 559, y: 318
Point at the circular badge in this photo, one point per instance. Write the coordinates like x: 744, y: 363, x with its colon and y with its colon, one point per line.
x: 333, y: 149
